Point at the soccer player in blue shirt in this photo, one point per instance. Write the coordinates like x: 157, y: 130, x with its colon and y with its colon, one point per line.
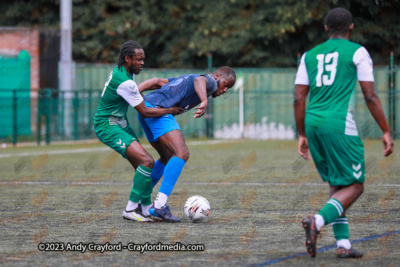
x: 164, y: 133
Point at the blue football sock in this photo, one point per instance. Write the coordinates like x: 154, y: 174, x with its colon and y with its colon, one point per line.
x: 157, y: 173
x: 171, y: 174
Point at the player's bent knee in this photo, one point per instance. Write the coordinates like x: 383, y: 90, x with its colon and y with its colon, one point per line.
x: 183, y: 155
x: 148, y: 162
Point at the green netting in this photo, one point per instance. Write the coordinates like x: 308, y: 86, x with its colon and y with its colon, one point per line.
x: 15, y: 92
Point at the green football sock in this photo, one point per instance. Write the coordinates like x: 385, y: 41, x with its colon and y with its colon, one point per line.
x: 341, y: 228
x: 142, y: 186
x: 331, y: 211
x: 147, y: 187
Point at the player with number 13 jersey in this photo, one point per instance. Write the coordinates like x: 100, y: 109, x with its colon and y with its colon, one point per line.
x: 327, y: 129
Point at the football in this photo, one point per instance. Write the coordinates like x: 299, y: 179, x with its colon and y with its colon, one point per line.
x: 197, y: 208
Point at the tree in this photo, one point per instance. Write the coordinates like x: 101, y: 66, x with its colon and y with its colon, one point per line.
x: 238, y: 33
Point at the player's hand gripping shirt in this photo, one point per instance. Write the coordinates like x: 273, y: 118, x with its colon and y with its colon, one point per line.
x: 331, y: 70
x: 180, y: 92
x: 119, y: 92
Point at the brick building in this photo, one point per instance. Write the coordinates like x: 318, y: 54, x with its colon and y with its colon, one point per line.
x: 15, y: 39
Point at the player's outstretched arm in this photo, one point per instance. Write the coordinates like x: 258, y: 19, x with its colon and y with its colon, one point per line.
x: 152, y: 84
x: 200, y: 86
x: 299, y: 114
x: 130, y: 92
x: 375, y: 107
x: 146, y: 112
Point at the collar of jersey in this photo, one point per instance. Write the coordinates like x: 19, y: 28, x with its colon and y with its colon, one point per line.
x: 216, y: 87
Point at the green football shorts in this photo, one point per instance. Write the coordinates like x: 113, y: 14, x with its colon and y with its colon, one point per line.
x: 115, y: 136
x: 339, y: 158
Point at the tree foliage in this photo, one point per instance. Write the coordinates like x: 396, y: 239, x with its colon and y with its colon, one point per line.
x: 240, y: 33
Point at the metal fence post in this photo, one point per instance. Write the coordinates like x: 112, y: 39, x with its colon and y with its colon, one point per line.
x: 61, y: 116
x: 39, y: 116
x: 48, y: 112
x: 241, y: 105
x: 210, y: 109
x: 76, y: 108
x: 15, y: 117
x: 90, y: 120
x: 392, y: 96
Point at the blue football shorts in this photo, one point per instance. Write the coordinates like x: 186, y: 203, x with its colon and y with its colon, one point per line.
x: 157, y: 126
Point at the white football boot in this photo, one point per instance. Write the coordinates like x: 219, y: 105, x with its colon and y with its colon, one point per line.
x: 136, y: 215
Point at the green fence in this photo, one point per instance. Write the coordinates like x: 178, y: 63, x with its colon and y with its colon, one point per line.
x: 267, y: 101
x: 267, y: 114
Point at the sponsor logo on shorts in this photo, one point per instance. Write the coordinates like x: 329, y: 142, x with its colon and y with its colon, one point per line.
x: 120, y: 142
x: 356, y: 170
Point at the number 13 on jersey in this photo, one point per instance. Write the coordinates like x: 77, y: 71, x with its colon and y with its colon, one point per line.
x: 328, y: 63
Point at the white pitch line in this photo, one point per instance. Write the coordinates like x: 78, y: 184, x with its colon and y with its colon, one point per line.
x: 13, y: 182
x: 97, y: 149
x: 55, y: 152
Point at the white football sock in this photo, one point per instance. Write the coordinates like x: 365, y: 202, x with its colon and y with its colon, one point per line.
x: 344, y: 243
x: 131, y: 206
x: 145, y: 210
x: 319, y: 221
x: 161, y: 200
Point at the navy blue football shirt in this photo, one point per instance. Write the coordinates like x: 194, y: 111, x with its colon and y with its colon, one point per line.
x: 180, y: 92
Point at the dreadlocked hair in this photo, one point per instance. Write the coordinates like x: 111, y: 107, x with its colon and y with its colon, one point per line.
x: 127, y: 49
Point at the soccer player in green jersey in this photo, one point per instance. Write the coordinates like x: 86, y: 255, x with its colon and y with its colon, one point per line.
x: 112, y: 127
x: 329, y: 72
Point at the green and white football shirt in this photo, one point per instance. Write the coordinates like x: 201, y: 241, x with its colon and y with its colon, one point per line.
x: 119, y: 92
x: 331, y: 70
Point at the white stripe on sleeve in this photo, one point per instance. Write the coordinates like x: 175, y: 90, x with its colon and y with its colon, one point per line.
x: 364, y: 65
x: 302, y: 75
x: 130, y: 92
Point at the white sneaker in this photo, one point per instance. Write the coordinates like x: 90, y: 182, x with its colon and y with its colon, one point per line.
x: 136, y: 215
